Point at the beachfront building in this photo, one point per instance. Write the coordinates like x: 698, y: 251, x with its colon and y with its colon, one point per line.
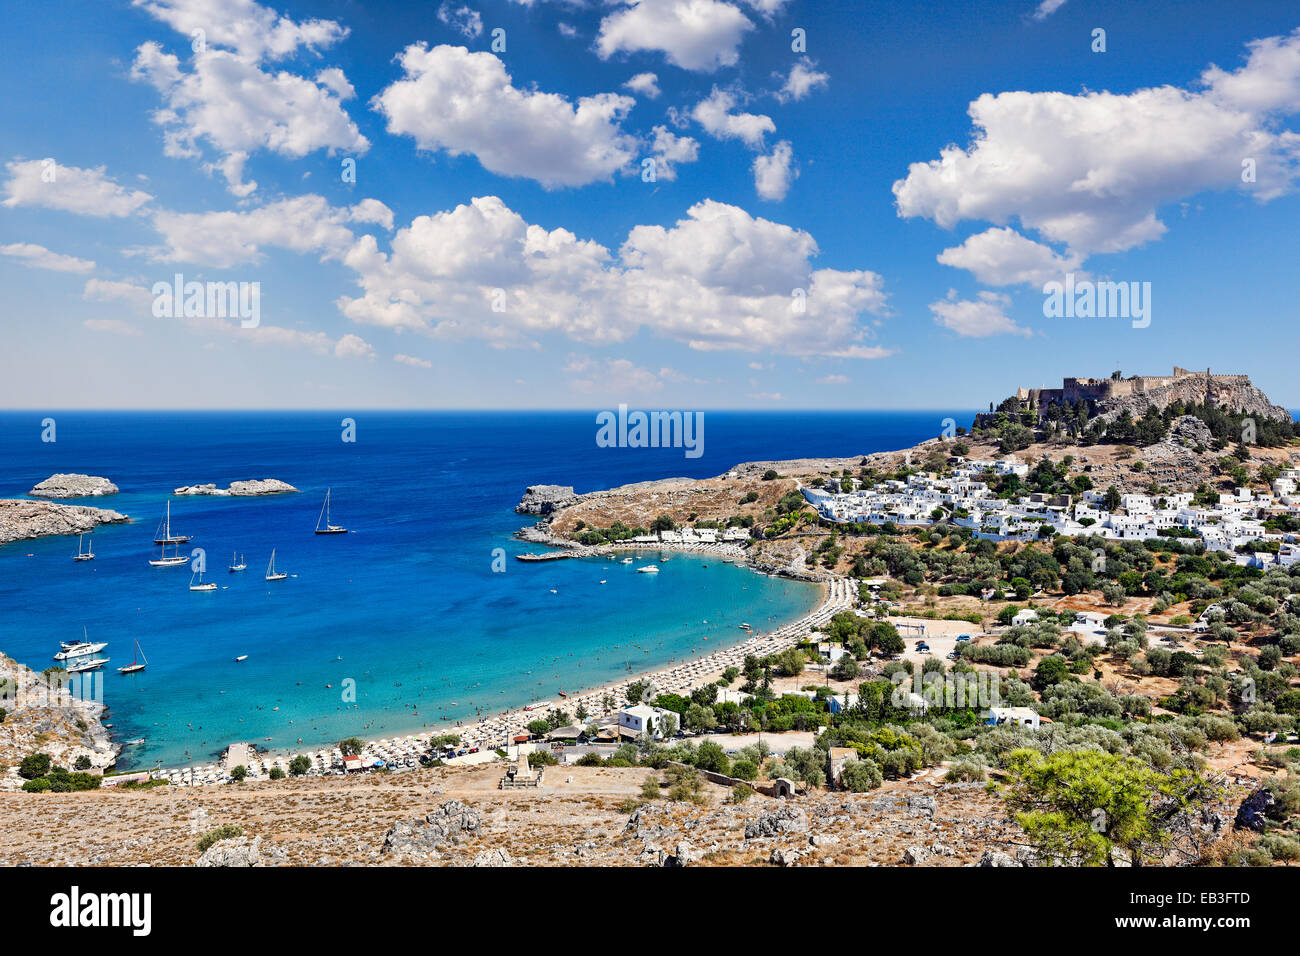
x: 643, y: 720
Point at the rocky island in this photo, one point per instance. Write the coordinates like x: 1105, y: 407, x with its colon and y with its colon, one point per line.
x: 21, y: 519
x: 73, y: 486
x: 241, y: 489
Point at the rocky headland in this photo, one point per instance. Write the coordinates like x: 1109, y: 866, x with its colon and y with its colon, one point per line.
x: 241, y: 489
x: 21, y: 519
x: 73, y: 486
x: 41, y: 716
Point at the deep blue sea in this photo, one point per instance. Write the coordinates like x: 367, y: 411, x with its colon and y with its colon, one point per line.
x: 407, y: 604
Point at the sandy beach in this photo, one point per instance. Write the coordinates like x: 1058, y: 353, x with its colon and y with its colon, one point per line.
x: 489, y: 733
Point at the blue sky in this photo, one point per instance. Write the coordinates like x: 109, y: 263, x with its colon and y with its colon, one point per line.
x: 916, y: 172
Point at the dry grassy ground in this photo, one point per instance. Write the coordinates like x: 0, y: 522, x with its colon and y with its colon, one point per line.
x: 574, y: 819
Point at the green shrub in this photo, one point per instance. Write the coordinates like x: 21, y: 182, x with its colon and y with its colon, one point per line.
x: 966, y: 771
x: 862, y: 775
x: 34, y: 765
x: 227, y: 831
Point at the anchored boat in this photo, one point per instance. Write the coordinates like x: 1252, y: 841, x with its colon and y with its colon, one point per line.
x: 325, y: 516
x: 210, y: 586
x: 135, y: 664
x: 82, y: 555
x: 164, y: 533
x: 271, y: 573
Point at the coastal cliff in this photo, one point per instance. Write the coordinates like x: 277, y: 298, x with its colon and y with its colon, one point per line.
x: 21, y: 520
x: 241, y: 489
x: 40, y: 716
x: 73, y: 486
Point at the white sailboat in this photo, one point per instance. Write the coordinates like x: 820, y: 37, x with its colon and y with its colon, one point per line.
x: 325, y: 516
x: 201, y: 586
x: 271, y: 573
x: 165, y: 526
x: 237, y: 565
x: 82, y: 555
x: 135, y: 664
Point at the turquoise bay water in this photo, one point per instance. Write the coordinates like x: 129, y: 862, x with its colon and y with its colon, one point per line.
x: 407, y: 606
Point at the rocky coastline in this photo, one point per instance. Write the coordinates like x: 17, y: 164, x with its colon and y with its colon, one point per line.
x: 43, y: 716
x: 241, y: 489
x: 73, y: 486
x: 21, y: 519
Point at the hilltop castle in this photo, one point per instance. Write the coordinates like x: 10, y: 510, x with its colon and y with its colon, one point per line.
x: 1108, y: 397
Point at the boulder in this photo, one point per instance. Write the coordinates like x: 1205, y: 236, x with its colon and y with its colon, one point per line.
x: 240, y: 851
x: 786, y: 819
x: 73, y: 486
x: 450, y: 823
x: 1189, y: 431
x: 915, y: 855
x: 492, y: 858
x: 997, y: 858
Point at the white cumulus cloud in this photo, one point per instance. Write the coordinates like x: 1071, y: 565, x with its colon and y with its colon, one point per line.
x: 718, y: 278
x: 716, y: 113
x: 38, y: 257
x: 86, y: 192
x: 1092, y: 170
x: 774, y: 173
x: 701, y: 35
x: 462, y: 102
x: 1005, y: 257
x: 980, y: 317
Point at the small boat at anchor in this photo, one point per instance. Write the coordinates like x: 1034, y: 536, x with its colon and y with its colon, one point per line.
x: 237, y: 565
x: 164, y: 533
x: 271, y: 573
x: 81, y: 555
x: 136, y: 665
x: 648, y: 569
x: 210, y: 586
x: 241, y: 657
x: 325, y: 516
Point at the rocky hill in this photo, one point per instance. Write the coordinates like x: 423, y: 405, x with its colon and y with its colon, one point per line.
x: 1234, y: 393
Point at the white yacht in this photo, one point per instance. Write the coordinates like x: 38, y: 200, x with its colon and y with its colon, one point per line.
x: 163, y: 561
x: 627, y: 560
x: 71, y: 652
x: 648, y: 569
x: 238, y: 565
x: 210, y: 586
x: 271, y: 573
x: 89, y: 664
x: 81, y: 555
